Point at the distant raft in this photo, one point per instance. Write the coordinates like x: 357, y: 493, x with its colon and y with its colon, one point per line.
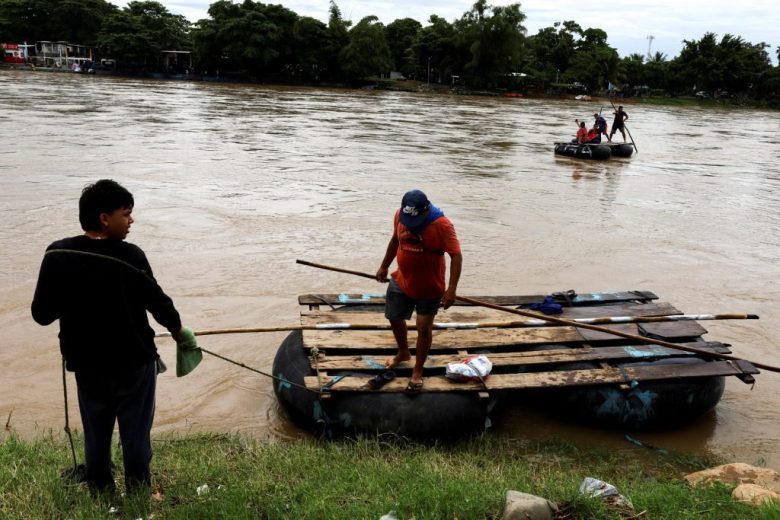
x: 583, y: 150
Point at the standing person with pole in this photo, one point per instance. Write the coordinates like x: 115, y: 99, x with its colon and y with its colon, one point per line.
x: 619, y: 123
x: 100, y: 288
x: 421, y: 236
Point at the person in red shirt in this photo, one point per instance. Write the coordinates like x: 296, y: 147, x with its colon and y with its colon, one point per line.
x: 582, y: 132
x: 421, y: 237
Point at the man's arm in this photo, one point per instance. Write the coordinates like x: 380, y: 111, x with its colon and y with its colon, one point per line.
x: 44, y: 308
x: 456, y: 265
x: 159, y: 304
x: 392, y: 249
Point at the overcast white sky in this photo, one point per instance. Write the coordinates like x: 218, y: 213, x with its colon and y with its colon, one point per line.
x: 628, y: 23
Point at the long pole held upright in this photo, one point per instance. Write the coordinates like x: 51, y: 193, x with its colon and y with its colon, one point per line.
x: 563, y: 321
x: 626, y: 127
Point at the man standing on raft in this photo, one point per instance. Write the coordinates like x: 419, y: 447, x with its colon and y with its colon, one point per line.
x: 619, y: 123
x: 421, y: 236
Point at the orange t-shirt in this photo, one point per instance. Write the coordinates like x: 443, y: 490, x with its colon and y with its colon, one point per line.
x: 420, y: 258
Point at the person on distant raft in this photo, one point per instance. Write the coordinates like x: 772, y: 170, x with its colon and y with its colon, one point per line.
x: 594, y: 136
x: 619, y: 123
x: 601, y: 126
x: 421, y: 236
x: 582, y: 132
x: 100, y: 288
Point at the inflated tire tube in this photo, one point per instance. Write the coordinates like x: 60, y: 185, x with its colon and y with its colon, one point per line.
x: 428, y: 416
x: 646, y: 406
x: 583, y: 151
x: 622, y: 150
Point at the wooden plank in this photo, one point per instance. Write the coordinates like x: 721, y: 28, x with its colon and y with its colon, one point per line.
x: 442, y: 339
x: 507, y: 359
x: 482, y: 314
x: 378, y: 298
x: 685, y: 329
x: 554, y: 379
x: 672, y: 329
x: 477, y: 338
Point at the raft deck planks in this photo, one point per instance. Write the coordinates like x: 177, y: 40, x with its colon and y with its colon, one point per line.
x: 507, y: 359
x: 458, y: 339
x: 365, y: 350
x: 596, y: 376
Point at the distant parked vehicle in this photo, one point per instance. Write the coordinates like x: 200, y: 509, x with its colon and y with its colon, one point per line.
x: 702, y: 94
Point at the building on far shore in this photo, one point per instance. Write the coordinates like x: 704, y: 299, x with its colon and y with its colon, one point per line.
x: 16, y: 52
x: 61, y: 54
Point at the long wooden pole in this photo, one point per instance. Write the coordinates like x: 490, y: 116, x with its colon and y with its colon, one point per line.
x: 565, y: 322
x: 626, y: 127
x: 337, y: 269
x: 532, y: 323
x: 645, y: 339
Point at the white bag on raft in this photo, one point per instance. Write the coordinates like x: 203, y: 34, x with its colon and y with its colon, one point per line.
x: 472, y: 368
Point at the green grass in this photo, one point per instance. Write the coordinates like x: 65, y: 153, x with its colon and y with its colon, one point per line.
x: 362, y: 479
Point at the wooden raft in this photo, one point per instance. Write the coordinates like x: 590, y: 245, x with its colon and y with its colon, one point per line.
x: 365, y: 351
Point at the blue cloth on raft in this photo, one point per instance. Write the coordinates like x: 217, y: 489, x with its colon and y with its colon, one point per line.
x: 547, y: 306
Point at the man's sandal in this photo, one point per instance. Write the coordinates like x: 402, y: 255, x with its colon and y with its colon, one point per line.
x: 380, y: 380
x: 413, y: 388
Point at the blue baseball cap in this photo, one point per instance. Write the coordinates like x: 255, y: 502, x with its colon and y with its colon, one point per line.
x: 413, y: 207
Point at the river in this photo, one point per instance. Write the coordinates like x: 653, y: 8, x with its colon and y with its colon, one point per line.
x: 232, y: 183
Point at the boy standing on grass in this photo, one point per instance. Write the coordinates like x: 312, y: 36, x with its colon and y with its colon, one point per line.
x: 100, y: 288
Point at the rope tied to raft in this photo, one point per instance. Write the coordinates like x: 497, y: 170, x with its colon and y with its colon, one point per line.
x: 632, y: 383
x: 314, y: 354
x: 256, y: 371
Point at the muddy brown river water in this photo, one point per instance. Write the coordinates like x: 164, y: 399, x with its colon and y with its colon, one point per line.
x: 234, y: 182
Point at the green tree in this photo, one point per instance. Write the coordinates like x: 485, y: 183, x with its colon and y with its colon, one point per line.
x: 367, y: 53
x: 338, y: 38
x: 632, y: 69
x: 247, y: 39
x: 311, y: 42
x: 434, y: 49
x: 656, y: 72
x: 552, y: 49
x: 494, y: 38
x: 400, y: 36
x: 731, y: 64
x: 75, y: 21
x: 137, y: 33
x: 594, y: 62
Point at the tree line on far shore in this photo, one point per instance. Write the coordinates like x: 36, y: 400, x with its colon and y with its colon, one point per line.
x: 487, y: 48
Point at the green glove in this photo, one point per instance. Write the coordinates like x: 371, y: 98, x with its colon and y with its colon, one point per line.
x: 188, y: 354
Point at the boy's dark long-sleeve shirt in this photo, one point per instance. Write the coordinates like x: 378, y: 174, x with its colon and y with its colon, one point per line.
x: 100, y: 291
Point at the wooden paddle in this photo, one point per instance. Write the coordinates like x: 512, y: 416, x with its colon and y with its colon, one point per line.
x: 570, y: 323
x: 626, y: 127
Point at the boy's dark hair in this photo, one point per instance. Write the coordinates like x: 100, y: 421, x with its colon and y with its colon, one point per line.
x: 104, y: 196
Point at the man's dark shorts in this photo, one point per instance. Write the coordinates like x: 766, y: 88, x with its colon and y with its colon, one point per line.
x: 398, y: 306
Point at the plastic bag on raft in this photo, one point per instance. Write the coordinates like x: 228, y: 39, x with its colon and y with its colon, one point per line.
x: 472, y: 368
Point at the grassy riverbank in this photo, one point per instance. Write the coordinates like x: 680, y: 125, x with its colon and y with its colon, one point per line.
x: 362, y: 479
